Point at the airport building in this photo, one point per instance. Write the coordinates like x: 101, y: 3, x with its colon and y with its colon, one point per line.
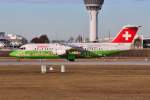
x: 93, y: 7
x: 146, y: 43
x: 11, y: 40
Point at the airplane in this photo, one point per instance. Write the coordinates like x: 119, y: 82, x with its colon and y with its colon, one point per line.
x: 71, y: 51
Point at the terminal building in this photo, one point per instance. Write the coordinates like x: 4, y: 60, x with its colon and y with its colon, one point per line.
x: 11, y: 40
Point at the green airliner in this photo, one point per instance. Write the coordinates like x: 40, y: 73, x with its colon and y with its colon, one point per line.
x: 71, y: 51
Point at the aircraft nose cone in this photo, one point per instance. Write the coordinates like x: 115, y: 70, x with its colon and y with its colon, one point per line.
x: 13, y: 53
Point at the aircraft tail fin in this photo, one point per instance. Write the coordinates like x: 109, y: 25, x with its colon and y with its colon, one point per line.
x: 126, y: 35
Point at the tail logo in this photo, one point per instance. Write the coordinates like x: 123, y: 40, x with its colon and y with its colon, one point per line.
x: 126, y: 35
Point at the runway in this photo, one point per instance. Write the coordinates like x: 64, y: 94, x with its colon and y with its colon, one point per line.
x: 77, y: 62
x: 85, y: 79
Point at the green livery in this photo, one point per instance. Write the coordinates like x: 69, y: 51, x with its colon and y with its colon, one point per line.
x: 69, y: 55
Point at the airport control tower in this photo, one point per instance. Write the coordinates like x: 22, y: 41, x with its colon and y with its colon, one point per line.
x: 93, y: 6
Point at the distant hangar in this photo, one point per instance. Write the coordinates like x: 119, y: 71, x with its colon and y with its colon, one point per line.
x: 146, y: 43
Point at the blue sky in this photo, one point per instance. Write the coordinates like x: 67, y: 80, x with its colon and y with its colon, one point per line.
x: 60, y: 19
